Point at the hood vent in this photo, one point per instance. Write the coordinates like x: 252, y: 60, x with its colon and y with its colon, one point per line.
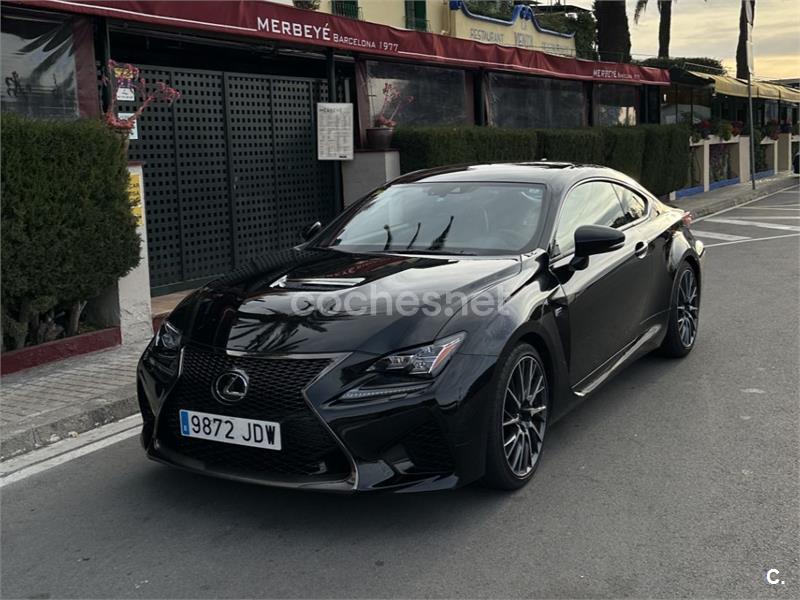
x: 316, y: 283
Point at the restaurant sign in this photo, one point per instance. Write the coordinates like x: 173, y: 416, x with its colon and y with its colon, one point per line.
x: 522, y: 30
x: 282, y: 23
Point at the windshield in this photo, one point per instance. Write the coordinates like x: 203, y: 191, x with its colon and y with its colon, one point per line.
x: 443, y: 218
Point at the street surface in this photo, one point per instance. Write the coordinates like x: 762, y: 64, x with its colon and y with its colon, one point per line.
x: 677, y: 479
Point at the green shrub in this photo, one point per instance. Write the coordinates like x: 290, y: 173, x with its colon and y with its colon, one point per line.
x: 426, y: 147
x: 655, y: 155
x: 623, y: 149
x: 67, y: 228
x: 583, y: 146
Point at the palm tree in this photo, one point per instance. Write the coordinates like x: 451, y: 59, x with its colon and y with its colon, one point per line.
x: 664, y: 23
x: 741, y: 48
x: 613, y: 34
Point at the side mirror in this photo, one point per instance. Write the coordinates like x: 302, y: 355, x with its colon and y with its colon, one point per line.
x: 312, y: 230
x: 595, y: 239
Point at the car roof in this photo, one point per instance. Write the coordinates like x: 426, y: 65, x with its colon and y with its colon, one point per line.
x: 557, y: 175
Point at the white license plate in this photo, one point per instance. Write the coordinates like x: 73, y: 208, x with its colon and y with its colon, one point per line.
x: 231, y: 430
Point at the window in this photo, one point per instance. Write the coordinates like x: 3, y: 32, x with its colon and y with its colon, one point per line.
x: 633, y: 205
x: 39, y: 73
x: 594, y: 203
x: 615, y: 104
x: 520, y: 101
x: 416, y: 95
x: 446, y: 217
x: 416, y: 15
x: 346, y: 8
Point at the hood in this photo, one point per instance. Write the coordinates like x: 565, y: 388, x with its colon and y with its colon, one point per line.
x: 330, y: 301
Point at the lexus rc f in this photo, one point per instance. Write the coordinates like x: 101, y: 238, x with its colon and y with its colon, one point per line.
x: 427, y: 337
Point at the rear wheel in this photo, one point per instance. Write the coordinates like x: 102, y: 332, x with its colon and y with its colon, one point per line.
x: 519, y: 420
x: 684, y: 314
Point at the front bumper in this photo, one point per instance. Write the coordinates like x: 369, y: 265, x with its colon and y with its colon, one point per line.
x: 425, y: 440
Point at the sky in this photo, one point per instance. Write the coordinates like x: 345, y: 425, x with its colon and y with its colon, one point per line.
x: 711, y: 28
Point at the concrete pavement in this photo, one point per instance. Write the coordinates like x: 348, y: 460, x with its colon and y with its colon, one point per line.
x: 677, y: 479
x: 43, y: 405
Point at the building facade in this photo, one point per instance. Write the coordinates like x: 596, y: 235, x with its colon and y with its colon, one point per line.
x: 231, y: 170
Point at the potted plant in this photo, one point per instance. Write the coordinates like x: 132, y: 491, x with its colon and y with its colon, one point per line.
x: 379, y: 137
x: 772, y: 129
x: 701, y: 130
x: 126, y: 77
x: 724, y: 130
x: 737, y: 127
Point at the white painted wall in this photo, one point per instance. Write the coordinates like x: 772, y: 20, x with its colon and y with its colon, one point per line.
x: 368, y: 170
x: 133, y: 290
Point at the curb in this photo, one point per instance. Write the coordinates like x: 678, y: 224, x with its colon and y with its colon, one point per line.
x: 69, y: 423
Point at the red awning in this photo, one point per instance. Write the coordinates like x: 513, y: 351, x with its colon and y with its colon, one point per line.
x: 278, y: 22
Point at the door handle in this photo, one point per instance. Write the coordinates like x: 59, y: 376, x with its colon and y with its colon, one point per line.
x: 640, y: 249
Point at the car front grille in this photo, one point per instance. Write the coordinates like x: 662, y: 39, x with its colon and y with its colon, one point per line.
x: 275, y: 394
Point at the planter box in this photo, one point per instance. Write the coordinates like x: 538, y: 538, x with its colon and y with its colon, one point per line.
x: 17, y: 360
x: 715, y: 139
x: 723, y: 182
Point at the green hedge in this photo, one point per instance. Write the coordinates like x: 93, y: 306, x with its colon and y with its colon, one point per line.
x: 67, y: 228
x: 426, y: 147
x: 655, y: 155
x: 583, y: 146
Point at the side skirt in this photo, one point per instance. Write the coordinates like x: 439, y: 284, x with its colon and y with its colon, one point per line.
x: 647, y: 342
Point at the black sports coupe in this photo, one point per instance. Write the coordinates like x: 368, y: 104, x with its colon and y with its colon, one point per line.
x: 428, y: 336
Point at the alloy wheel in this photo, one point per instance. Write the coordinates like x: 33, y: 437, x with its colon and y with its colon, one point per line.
x: 688, y: 308
x: 524, y: 415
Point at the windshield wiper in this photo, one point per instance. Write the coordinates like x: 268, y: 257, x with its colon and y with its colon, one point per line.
x: 388, y: 237
x: 414, y: 239
x: 439, y: 241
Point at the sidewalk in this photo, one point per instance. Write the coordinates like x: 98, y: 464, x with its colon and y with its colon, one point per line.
x: 44, y: 404
x: 701, y: 205
x: 64, y: 399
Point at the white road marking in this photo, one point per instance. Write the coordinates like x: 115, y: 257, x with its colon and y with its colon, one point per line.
x: 772, y: 237
x: 778, y: 218
x: 717, y: 236
x: 745, y: 204
x: 769, y: 207
x: 780, y: 226
x: 32, y: 463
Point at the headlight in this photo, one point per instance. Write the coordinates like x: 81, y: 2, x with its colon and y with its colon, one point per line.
x: 168, y: 337
x: 425, y: 360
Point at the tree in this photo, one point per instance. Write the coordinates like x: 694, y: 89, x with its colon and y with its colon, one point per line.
x: 498, y: 9
x: 613, y: 34
x: 742, y: 69
x: 584, y: 28
x: 664, y: 23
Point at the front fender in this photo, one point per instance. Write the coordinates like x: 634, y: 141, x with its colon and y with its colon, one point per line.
x: 524, y: 313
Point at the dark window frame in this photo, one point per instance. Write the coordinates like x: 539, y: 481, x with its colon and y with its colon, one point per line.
x: 417, y: 15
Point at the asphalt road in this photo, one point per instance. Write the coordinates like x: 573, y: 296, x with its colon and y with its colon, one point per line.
x: 678, y: 479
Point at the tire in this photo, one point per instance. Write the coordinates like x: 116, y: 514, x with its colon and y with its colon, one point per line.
x: 684, y: 314
x: 531, y: 426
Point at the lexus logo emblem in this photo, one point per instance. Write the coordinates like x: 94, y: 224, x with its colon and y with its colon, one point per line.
x: 231, y: 386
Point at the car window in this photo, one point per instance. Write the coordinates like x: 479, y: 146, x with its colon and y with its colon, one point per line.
x: 633, y: 205
x: 444, y: 217
x: 594, y: 203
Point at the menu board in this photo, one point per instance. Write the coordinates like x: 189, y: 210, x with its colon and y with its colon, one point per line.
x: 334, y: 131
